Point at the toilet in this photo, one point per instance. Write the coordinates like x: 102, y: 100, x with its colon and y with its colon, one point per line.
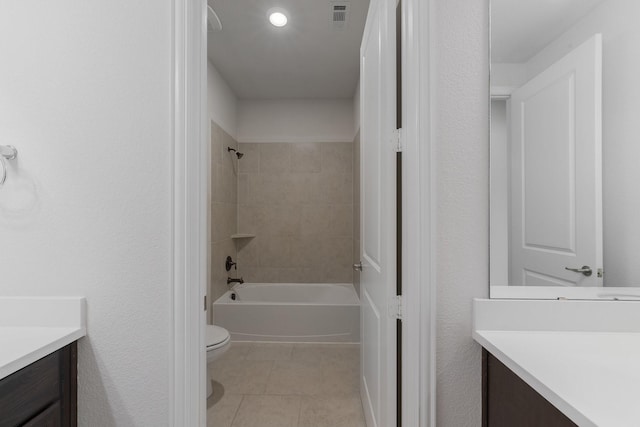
x: 218, y: 342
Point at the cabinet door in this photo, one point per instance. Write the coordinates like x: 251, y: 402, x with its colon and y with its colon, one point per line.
x: 508, y: 401
x: 43, y: 394
x: 29, y: 391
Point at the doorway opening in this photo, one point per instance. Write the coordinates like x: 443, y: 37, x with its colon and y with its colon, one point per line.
x: 285, y: 214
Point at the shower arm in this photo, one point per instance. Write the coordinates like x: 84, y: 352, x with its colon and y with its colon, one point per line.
x: 237, y: 153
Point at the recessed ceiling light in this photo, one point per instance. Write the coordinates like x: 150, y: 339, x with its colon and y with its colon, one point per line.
x: 278, y: 18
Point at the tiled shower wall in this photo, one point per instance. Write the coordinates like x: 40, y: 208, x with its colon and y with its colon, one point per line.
x: 297, y: 198
x: 356, y: 210
x: 224, y: 209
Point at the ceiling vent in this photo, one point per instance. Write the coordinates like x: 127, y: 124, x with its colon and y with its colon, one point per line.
x: 339, y: 14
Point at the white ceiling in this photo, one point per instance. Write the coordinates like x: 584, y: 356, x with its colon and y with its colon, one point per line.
x: 521, y: 28
x: 305, y: 59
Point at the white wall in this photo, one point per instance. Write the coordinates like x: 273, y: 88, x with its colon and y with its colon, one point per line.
x: 86, y: 99
x: 296, y: 120
x: 508, y: 75
x: 460, y: 133
x: 223, y: 103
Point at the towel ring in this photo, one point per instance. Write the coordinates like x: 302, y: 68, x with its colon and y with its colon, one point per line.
x: 7, y: 152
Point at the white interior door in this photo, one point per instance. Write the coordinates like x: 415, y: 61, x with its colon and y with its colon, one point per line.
x: 556, y: 172
x: 378, y: 217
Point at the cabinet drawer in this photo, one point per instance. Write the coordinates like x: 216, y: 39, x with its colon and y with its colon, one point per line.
x: 29, y: 391
x: 50, y: 417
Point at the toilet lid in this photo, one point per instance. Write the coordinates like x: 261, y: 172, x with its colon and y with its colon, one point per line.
x: 216, y: 336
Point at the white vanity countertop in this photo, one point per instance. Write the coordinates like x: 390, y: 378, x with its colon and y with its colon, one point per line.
x: 31, y: 328
x: 593, y: 377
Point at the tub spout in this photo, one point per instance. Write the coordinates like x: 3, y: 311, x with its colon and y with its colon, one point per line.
x: 231, y: 280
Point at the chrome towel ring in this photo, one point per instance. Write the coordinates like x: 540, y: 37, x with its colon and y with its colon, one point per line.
x: 7, y: 152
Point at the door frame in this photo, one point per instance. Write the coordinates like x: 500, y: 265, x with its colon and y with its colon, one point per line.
x: 189, y: 224
x: 418, y: 218
x: 189, y: 211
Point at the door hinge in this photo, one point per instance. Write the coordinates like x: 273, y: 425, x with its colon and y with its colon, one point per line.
x: 397, y: 140
x: 395, y: 307
x: 205, y: 303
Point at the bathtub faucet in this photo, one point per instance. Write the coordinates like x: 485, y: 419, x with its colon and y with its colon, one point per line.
x: 231, y: 280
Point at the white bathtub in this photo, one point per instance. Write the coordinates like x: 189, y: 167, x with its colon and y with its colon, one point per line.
x: 290, y: 312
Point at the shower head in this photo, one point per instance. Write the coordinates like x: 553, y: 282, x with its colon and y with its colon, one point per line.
x: 236, y: 152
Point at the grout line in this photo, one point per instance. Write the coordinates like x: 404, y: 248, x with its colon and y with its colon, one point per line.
x: 273, y: 362
x: 235, y: 414
x: 299, y: 410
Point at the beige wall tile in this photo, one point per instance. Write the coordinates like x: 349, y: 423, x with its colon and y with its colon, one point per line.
x: 306, y: 251
x: 252, y: 219
x: 248, y: 253
x: 317, y: 275
x: 281, y: 220
x: 328, y: 220
x: 337, y: 187
x: 305, y: 188
x: 216, y: 143
x: 338, y: 256
x: 295, y: 275
x: 217, y: 222
x: 338, y: 275
x: 275, y: 158
x: 341, y: 220
x: 224, y: 210
x: 219, y: 253
x: 228, y: 158
x: 300, y: 198
x: 337, y: 157
x: 229, y: 185
x: 315, y: 220
x: 260, y: 274
x: 223, y: 221
x: 337, y: 251
x: 276, y: 188
x: 248, y: 189
x: 274, y: 251
x: 217, y: 183
x: 306, y: 157
x: 250, y: 162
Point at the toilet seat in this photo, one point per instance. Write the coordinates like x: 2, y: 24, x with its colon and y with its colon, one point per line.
x: 216, y: 337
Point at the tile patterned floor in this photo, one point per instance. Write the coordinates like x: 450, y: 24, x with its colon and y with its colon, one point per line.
x: 286, y: 385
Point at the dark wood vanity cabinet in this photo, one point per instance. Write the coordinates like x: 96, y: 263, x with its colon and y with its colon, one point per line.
x: 42, y: 394
x: 508, y: 401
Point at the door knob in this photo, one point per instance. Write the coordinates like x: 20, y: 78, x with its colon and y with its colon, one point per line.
x: 585, y: 269
x: 357, y: 266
